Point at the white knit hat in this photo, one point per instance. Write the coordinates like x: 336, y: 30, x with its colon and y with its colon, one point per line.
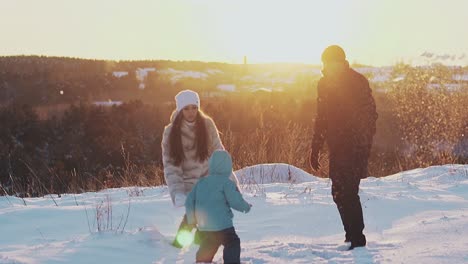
x: 186, y: 97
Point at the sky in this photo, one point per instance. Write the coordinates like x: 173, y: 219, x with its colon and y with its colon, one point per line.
x: 371, y: 32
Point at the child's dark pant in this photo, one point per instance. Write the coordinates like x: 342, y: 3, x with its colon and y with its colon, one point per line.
x: 211, y: 240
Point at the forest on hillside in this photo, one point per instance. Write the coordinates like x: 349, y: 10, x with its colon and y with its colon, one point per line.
x: 55, y: 139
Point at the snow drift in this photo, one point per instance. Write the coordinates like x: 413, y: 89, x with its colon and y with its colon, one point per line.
x: 417, y: 216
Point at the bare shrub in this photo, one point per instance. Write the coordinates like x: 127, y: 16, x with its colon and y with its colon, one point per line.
x: 104, y: 217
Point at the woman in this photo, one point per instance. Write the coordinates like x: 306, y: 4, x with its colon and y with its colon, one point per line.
x: 188, y: 142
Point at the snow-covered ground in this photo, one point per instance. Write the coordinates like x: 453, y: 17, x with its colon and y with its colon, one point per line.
x: 417, y: 216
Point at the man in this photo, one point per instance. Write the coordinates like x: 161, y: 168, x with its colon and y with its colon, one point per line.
x: 346, y: 117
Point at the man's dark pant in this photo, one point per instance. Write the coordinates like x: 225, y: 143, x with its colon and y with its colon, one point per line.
x: 345, y: 176
x: 211, y: 240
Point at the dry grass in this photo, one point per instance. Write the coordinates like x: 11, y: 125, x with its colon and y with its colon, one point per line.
x: 104, y: 217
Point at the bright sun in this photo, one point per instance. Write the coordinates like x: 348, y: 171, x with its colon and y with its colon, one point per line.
x: 273, y: 31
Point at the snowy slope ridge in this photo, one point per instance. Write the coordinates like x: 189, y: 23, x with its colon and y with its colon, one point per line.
x: 417, y: 216
x: 273, y: 173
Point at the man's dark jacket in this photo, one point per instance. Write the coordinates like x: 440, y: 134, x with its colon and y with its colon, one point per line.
x: 346, y: 120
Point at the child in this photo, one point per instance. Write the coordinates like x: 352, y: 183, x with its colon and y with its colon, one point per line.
x: 209, y: 205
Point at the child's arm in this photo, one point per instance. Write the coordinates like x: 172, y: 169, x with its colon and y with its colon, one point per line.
x: 190, y: 206
x: 234, y: 197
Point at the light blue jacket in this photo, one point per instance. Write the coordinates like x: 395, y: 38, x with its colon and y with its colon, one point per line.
x: 209, y: 203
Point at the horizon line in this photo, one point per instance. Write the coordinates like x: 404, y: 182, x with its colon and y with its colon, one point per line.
x: 355, y: 63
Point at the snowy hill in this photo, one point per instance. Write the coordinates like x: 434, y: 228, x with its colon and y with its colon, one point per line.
x: 272, y: 173
x: 417, y: 216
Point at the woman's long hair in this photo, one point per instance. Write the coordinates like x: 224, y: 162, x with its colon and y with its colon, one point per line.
x: 176, y: 150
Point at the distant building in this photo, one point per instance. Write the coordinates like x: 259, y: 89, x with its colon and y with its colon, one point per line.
x: 452, y: 87
x: 176, y: 75
x: 265, y: 90
x: 226, y: 87
x: 120, y: 74
x: 460, y: 77
x: 107, y: 103
x: 141, y: 75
